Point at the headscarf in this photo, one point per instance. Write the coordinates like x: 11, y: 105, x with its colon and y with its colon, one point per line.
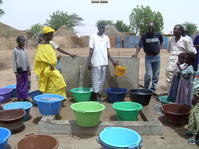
x: 47, y: 29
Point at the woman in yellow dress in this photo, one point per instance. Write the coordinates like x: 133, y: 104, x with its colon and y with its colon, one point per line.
x: 50, y: 79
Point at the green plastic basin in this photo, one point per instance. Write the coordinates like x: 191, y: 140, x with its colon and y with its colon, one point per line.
x: 81, y: 94
x: 127, y: 111
x: 164, y: 99
x: 87, y: 114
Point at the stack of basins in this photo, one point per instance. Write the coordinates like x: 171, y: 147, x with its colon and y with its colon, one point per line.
x: 12, y: 119
x: 20, y: 105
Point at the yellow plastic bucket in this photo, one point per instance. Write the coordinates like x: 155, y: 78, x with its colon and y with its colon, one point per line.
x: 120, y: 71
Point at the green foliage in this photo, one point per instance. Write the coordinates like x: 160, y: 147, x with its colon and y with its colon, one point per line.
x: 191, y: 28
x: 121, y: 26
x: 106, y: 22
x: 59, y: 18
x: 142, y: 16
x: 35, y: 30
x: 1, y: 11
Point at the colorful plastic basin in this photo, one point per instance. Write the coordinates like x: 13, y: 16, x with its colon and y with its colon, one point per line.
x: 6, y: 93
x: 164, y: 99
x: 87, y: 114
x: 13, y: 87
x: 4, y: 136
x: 119, y: 138
x: 49, y: 104
x: 38, y: 142
x: 81, y: 94
x: 116, y: 94
x: 127, y: 111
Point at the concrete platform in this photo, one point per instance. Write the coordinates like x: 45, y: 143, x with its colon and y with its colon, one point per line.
x: 150, y: 126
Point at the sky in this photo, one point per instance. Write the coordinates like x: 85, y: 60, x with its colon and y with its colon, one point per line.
x: 22, y: 14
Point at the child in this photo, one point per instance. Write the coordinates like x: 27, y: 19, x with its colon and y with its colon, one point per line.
x: 185, y: 83
x: 176, y: 78
x: 193, y: 124
x: 21, y: 68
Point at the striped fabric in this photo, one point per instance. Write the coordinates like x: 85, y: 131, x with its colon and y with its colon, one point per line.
x: 98, y: 77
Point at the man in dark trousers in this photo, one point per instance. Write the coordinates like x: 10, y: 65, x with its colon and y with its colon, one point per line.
x: 151, y: 42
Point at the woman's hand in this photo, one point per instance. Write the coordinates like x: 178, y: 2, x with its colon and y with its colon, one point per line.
x: 52, y: 67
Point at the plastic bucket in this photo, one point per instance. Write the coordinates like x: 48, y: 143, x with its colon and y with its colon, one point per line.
x: 4, y: 136
x: 176, y: 113
x: 116, y: 94
x: 141, y: 96
x: 49, y: 104
x: 127, y: 111
x: 6, y: 93
x: 81, y: 94
x: 87, y: 114
x: 20, y: 105
x: 38, y: 142
x: 14, y: 92
x: 164, y: 99
x: 119, y: 138
x: 120, y: 71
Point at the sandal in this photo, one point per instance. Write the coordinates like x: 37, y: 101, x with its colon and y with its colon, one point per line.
x: 193, y: 141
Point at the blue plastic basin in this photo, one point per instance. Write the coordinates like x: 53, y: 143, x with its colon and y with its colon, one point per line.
x: 14, y: 92
x: 49, y: 104
x: 32, y: 94
x: 4, y: 135
x: 20, y: 105
x: 116, y: 94
x: 119, y: 137
x: 6, y: 93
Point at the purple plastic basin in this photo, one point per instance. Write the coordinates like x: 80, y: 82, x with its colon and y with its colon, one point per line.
x: 5, y: 93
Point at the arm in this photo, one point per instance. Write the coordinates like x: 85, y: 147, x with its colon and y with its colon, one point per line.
x: 64, y: 52
x: 140, y: 45
x: 110, y: 58
x: 161, y: 41
x: 14, y: 63
x: 89, y: 58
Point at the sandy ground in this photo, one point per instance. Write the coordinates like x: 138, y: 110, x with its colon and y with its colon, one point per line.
x: 174, y: 138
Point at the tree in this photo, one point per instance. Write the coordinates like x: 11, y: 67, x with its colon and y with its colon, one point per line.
x: 191, y: 28
x: 121, y: 26
x: 59, y: 18
x: 35, y: 30
x: 1, y: 11
x: 106, y: 22
x: 142, y: 16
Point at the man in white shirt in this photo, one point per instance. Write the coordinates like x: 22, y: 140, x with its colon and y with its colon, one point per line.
x: 98, y: 60
x: 177, y: 44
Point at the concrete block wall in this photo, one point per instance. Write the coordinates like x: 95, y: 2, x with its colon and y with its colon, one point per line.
x: 72, y: 68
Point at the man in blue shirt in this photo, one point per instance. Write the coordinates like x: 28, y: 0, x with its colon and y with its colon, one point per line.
x: 151, y: 42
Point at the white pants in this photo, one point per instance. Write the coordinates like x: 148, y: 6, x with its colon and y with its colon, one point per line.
x: 169, y: 78
x: 98, y: 77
